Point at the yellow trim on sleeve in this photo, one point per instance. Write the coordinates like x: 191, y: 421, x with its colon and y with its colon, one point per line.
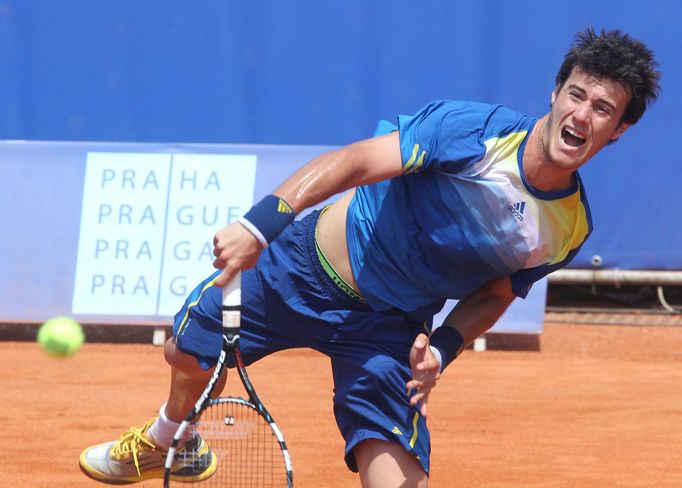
x: 407, y: 166
x: 417, y: 165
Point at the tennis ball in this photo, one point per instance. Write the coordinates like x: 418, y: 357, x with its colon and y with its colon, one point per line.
x: 61, y: 336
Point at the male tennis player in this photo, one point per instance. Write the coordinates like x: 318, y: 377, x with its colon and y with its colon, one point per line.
x: 460, y: 200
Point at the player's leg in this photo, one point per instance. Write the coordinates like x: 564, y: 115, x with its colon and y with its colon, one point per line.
x: 188, y: 380
x: 140, y: 452
x: 192, y: 353
x: 384, y: 464
x: 387, y: 441
x: 266, y: 327
x: 187, y: 383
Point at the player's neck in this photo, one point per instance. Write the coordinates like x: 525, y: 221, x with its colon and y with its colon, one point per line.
x: 538, y: 168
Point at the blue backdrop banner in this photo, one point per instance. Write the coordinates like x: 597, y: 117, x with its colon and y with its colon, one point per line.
x: 323, y: 73
x: 120, y: 233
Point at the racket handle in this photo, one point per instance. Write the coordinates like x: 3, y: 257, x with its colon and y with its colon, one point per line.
x: 232, y: 300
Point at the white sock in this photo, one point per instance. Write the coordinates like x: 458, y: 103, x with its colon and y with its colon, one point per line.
x: 163, y: 430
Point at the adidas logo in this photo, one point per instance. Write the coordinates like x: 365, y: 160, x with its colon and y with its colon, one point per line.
x: 396, y: 431
x: 517, y: 210
x: 283, y: 207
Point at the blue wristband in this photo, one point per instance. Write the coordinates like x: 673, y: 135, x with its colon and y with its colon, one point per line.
x: 268, y: 218
x: 449, y: 343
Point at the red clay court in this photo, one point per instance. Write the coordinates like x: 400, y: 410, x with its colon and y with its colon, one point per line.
x: 596, y: 406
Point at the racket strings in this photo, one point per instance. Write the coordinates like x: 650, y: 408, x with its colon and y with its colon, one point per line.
x: 247, y: 451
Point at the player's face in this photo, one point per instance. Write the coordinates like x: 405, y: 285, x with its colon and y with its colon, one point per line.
x: 585, y: 116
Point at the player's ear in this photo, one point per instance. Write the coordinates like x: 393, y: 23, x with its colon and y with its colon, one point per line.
x: 553, y: 96
x: 620, y: 130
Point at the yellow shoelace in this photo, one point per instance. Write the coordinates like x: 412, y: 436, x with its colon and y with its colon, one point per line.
x: 132, y: 441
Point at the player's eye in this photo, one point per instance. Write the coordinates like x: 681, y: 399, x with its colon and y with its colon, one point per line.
x: 574, y: 96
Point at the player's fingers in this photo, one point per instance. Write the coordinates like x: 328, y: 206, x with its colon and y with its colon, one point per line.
x: 414, y: 399
x: 421, y: 341
x: 423, y: 406
x: 220, y: 280
x: 421, y: 399
x: 219, y: 252
x: 220, y: 262
x: 426, y: 374
x: 423, y: 380
x: 225, y: 276
x: 418, y: 351
x: 419, y: 346
x: 422, y: 386
x: 219, y: 242
x: 429, y: 365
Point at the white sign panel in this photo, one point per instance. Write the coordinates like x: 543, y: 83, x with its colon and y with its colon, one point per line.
x: 147, y: 225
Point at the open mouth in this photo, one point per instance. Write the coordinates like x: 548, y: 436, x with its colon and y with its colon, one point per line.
x: 571, y: 138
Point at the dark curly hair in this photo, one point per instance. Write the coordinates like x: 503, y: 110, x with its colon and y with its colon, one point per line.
x: 619, y: 57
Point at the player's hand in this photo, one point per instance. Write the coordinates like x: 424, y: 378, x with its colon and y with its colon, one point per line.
x: 425, y: 372
x: 235, y: 249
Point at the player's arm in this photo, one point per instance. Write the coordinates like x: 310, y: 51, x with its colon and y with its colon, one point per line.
x: 471, y: 317
x: 335, y: 171
x: 364, y: 162
x: 478, y: 312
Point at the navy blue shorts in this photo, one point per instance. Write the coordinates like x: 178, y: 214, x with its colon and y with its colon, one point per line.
x: 289, y: 301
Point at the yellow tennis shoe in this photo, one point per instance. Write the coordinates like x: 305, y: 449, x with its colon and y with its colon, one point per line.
x: 134, y: 458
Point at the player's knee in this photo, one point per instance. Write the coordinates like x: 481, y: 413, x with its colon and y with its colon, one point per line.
x: 183, y: 363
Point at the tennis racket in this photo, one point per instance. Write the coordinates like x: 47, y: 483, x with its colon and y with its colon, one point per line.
x: 242, y: 436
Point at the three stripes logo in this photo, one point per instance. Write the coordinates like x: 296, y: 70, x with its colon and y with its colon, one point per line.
x: 283, y: 207
x: 517, y: 210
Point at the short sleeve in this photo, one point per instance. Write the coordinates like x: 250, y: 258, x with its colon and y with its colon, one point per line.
x: 523, y: 280
x: 444, y: 135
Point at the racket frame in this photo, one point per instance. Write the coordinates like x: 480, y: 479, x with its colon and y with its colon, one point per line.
x: 231, y: 318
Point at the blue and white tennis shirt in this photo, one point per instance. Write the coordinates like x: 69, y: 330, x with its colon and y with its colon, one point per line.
x: 461, y: 214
